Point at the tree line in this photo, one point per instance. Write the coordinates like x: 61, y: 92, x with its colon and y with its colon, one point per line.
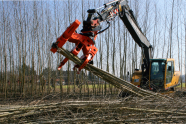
x: 28, y: 29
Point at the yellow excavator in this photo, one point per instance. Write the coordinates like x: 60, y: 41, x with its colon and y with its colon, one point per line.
x: 158, y: 75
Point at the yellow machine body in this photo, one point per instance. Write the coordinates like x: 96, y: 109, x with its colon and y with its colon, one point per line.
x: 172, y: 77
x: 136, y: 77
x: 162, y: 75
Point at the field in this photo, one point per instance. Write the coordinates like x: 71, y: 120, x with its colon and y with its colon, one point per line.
x: 183, y: 85
x: 95, y: 109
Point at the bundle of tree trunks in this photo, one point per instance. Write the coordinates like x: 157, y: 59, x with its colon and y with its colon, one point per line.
x: 112, y: 79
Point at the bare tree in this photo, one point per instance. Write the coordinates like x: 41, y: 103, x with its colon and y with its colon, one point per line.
x: 5, y: 51
x: 185, y: 47
x: 171, y: 28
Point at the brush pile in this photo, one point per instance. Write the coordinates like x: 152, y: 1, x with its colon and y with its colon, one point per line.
x: 129, y: 109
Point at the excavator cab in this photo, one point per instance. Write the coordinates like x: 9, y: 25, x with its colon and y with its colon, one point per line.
x: 162, y: 76
x: 157, y: 74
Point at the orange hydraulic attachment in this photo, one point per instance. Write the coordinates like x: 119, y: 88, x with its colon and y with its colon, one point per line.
x: 81, y: 42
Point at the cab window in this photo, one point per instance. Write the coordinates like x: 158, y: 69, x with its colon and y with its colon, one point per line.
x: 157, y: 70
x: 170, y: 71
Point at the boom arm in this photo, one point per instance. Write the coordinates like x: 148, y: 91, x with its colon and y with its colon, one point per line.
x: 121, y: 8
x: 126, y: 15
